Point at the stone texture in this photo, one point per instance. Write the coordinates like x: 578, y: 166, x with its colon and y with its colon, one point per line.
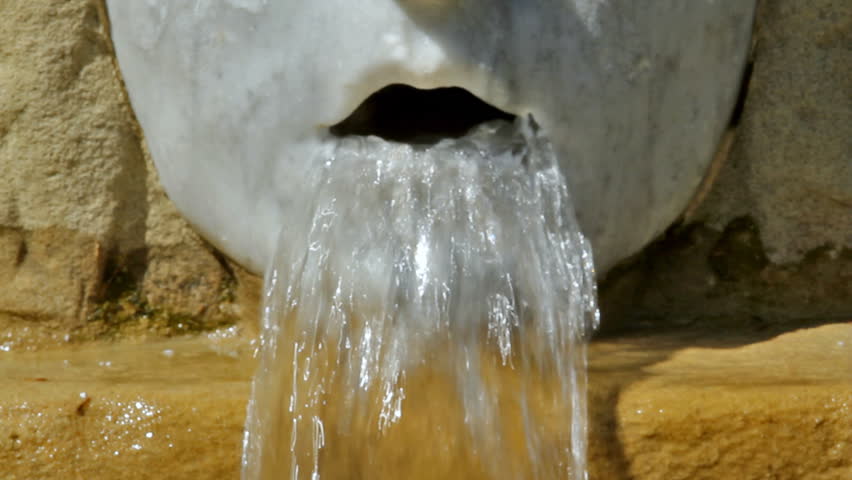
x: 780, y: 409
x: 769, y: 237
x: 85, y: 229
x: 791, y: 164
x: 64, y: 262
x: 105, y: 414
x: 698, y: 404
x: 83, y: 220
x: 632, y: 99
x: 87, y: 238
x: 699, y: 275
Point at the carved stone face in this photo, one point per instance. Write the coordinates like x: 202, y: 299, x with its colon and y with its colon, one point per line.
x: 236, y: 96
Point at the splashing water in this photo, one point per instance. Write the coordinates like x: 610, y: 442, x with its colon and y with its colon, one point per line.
x: 426, y: 317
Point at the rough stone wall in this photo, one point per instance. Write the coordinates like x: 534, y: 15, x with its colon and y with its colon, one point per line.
x: 770, y: 240
x: 90, y: 245
x: 790, y: 168
x: 87, y: 235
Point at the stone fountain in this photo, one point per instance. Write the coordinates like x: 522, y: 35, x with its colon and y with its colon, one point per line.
x: 732, y: 400
x: 635, y: 99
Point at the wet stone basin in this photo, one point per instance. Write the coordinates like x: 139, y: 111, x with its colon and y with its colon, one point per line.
x: 677, y: 405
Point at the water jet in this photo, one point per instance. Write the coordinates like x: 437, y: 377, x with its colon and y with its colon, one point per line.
x: 420, y: 275
x: 245, y: 92
x: 732, y: 374
x: 453, y: 232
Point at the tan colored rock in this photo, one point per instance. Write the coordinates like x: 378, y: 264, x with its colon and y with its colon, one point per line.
x: 70, y: 154
x: 778, y: 409
x: 83, y: 220
x: 745, y: 406
x: 81, y: 200
x: 106, y: 415
x: 65, y: 263
x: 790, y: 167
x: 769, y: 238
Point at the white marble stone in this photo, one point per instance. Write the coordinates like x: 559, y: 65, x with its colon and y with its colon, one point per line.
x: 235, y: 96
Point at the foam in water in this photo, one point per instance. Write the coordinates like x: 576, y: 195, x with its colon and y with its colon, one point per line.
x: 426, y: 316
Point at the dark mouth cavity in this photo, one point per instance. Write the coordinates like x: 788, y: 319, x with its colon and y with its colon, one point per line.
x: 402, y: 113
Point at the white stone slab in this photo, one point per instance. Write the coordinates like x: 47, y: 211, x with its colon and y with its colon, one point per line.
x: 235, y: 96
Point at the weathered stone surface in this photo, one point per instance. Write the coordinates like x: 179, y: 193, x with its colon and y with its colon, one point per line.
x: 83, y: 220
x: 698, y: 405
x: 632, y: 99
x: 66, y: 263
x: 772, y: 240
x: 698, y: 275
x: 790, y: 167
x: 81, y: 206
x: 114, y: 407
x: 778, y: 409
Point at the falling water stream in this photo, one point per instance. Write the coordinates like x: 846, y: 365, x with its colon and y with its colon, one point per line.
x: 426, y: 317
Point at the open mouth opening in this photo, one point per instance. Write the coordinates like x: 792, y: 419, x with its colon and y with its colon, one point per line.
x: 402, y: 113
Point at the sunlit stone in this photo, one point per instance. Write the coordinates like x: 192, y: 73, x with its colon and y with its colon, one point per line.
x: 235, y: 96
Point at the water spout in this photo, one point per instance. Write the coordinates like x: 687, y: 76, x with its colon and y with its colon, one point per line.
x: 458, y: 265
x: 450, y: 268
